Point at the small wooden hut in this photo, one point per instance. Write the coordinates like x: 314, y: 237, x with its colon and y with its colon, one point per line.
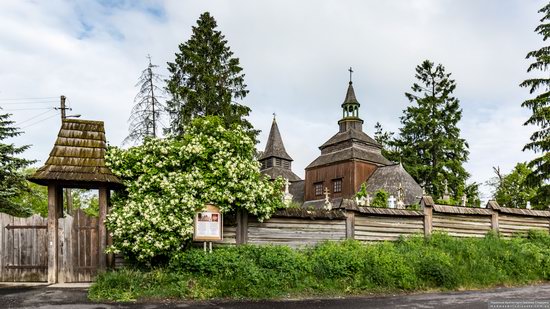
x: 77, y: 160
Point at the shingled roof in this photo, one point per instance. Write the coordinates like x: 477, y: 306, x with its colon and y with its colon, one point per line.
x: 389, y: 177
x: 78, y: 157
x: 350, y: 95
x: 276, y: 171
x: 352, y: 135
x: 275, y: 147
x: 351, y: 153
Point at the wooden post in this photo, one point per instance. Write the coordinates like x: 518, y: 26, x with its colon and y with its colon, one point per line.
x: 494, y: 220
x: 350, y: 224
x: 244, y: 228
x: 238, y: 234
x: 102, y: 230
x: 55, y: 210
x: 428, y: 213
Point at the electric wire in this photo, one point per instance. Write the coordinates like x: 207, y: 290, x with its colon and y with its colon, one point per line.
x: 34, y: 117
x: 42, y: 120
x: 28, y: 102
x: 28, y: 99
x: 26, y: 109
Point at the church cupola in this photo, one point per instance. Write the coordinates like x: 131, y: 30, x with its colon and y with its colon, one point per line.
x: 350, y: 110
x: 275, y: 161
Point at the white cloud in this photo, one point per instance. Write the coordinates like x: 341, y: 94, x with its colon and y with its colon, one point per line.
x: 295, y: 56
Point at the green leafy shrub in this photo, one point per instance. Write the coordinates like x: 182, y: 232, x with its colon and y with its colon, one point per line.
x: 335, y: 268
x: 380, y: 199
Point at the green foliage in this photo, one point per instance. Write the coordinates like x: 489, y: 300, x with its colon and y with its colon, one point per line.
x: 34, y: 198
x: 206, y: 79
x: 385, y: 139
x: 336, y: 268
x: 86, y: 200
x: 512, y: 190
x: 168, y: 180
x: 12, y: 177
x: 429, y: 143
x: 380, y: 199
x: 539, y: 178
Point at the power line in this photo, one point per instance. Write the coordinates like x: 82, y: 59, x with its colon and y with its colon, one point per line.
x: 26, y: 109
x: 28, y: 99
x: 28, y: 102
x: 34, y: 117
x: 39, y: 121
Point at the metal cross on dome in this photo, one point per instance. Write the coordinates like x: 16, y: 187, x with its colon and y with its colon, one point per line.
x: 350, y: 73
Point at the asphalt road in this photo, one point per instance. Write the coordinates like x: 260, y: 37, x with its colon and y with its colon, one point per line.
x: 528, y: 297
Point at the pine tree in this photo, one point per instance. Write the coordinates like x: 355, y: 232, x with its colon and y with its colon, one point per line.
x: 539, y: 178
x: 12, y: 178
x: 206, y: 79
x: 147, y: 109
x: 429, y: 142
x: 386, y: 140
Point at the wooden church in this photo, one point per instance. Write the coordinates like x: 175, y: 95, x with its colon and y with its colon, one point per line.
x: 347, y: 160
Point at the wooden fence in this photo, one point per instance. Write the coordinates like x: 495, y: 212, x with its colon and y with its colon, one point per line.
x: 23, y: 241
x: 300, y: 227
x: 23, y: 248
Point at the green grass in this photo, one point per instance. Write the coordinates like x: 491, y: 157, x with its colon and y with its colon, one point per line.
x: 335, y: 268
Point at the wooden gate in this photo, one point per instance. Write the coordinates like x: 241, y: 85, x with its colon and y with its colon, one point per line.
x: 23, y: 248
x: 78, y: 247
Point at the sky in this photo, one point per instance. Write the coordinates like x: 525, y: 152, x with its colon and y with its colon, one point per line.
x: 295, y: 55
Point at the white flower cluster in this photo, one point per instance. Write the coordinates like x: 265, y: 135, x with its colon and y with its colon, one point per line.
x: 168, y: 180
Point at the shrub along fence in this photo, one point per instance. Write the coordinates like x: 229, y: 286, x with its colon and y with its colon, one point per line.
x: 23, y: 241
x: 301, y: 227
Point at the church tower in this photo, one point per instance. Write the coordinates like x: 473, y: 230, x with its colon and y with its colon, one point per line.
x: 275, y: 161
x: 347, y: 159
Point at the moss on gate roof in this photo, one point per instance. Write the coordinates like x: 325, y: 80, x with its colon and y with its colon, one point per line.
x: 78, y: 157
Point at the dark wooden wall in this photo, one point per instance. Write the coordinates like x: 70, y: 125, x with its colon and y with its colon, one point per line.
x: 352, y: 173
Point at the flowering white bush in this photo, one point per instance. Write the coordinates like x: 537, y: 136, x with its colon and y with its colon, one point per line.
x: 168, y: 180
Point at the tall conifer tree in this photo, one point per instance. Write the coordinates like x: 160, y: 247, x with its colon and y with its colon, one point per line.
x: 539, y: 178
x: 206, y: 79
x: 12, y: 179
x: 147, y: 110
x: 429, y: 142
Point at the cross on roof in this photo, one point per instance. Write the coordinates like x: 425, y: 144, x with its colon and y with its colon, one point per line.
x: 350, y: 72
x: 391, y: 201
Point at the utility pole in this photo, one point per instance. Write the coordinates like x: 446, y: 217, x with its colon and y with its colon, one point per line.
x: 63, y: 108
x: 68, y: 193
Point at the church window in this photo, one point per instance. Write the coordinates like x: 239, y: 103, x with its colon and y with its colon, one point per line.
x: 277, y: 162
x: 269, y: 163
x: 318, y: 188
x: 337, y: 185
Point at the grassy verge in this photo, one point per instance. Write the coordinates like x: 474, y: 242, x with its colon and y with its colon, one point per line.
x: 343, y: 268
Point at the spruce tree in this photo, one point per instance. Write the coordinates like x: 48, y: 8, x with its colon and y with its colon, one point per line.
x: 429, y: 142
x: 147, y: 109
x: 385, y: 139
x: 12, y: 178
x: 539, y: 178
x: 206, y: 79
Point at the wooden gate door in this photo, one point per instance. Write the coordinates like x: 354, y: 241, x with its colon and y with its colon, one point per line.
x: 78, y: 247
x: 23, y: 249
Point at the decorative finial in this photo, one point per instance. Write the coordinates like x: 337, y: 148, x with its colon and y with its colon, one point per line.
x: 350, y: 72
x: 274, y: 116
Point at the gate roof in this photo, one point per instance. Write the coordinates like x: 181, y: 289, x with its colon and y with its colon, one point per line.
x: 77, y: 159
